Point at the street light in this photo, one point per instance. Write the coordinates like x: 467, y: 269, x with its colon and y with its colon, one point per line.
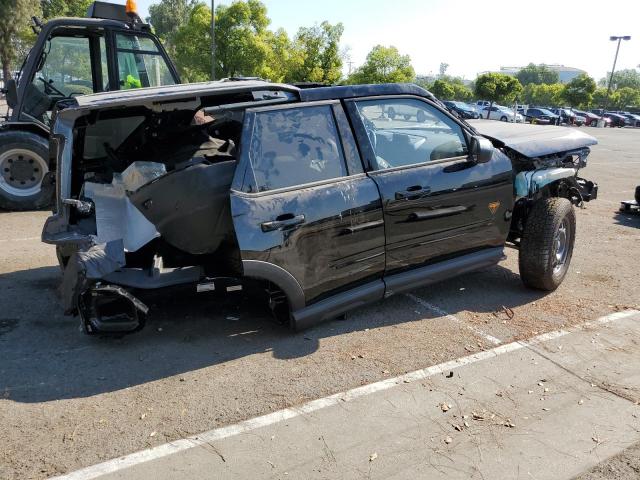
x: 213, y: 40
x: 615, y: 59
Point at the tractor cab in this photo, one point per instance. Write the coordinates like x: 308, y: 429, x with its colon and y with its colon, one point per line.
x: 111, y: 49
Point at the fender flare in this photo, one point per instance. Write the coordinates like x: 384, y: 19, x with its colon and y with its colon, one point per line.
x: 279, y: 276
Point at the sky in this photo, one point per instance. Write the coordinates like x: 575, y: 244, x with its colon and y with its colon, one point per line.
x: 474, y: 36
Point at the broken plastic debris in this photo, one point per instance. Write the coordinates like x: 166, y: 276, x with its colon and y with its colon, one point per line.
x: 444, y: 407
x: 448, y: 440
x: 373, y: 456
x: 153, y: 434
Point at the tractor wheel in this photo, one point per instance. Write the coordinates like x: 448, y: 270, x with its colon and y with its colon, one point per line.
x: 547, y: 243
x: 23, y: 165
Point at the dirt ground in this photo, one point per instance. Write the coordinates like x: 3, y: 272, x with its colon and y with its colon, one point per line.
x: 625, y: 466
x: 68, y: 400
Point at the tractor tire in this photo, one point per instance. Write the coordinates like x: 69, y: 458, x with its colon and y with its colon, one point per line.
x: 23, y: 165
x: 547, y: 243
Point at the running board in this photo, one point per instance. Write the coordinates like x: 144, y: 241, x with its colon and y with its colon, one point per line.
x: 340, y: 303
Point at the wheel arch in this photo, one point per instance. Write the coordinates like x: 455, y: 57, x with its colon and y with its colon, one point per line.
x: 286, y: 282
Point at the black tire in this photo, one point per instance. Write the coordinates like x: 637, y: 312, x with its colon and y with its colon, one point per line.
x: 503, y: 119
x: 637, y: 196
x: 391, y: 113
x: 540, y: 267
x: 36, y: 150
x: 594, y: 123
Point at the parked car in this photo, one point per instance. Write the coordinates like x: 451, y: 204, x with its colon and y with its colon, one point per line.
x: 311, y: 194
x: 504, y: 114
x: 579, y: 120
x: 616, y: 119
x: 591, y: 118
x: 463, y: 109
x: 634, y: 120
x: 541, y: 116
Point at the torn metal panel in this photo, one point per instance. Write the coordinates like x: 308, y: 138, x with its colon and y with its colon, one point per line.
x: 534, y: 140
x: 88, y: 263
x: 147, y: 279
x: 117, y: 218
x: 528, y: 182
x: 190, y: 207
x: 110, y: 309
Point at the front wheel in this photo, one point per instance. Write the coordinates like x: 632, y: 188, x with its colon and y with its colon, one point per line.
x: 503, y: 119
x: 547, y: 243
x: 23, y: 165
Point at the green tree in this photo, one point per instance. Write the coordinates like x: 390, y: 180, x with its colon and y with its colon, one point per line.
x: 384, y: 65
x: 65, y: 8
x: 600, y: 98
x: 622, y: 78
x: 315, y: 55
x: 537, y: 74
x: 14, y: 30
x: 544, y: 94
x: 497, y: 87
x: 626, y: 97
x: 167, y: 17
x: 579, y: 91
x: 192, y: 41
x: 443, y: 90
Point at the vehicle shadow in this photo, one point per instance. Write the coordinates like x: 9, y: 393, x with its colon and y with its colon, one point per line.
x: 45, y: 357
x: 628, y: 219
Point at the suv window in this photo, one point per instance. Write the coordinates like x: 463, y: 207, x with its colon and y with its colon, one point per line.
x: 140, y: 63
x: 294, y: 146
x: 407, y: 131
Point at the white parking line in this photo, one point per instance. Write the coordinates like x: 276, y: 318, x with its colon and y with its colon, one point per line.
x: 170, y: 448
x: 25, y: 239
x: 453, y: 318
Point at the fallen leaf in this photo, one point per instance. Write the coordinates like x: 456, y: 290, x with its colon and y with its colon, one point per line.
x: 153, y: 434
x: 373, y: 456
x: 448, y: 440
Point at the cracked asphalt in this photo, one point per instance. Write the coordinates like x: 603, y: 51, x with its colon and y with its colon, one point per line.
x: 68, y: 401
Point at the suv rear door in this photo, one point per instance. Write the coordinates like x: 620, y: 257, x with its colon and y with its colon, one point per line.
x: 438, y: 202
x: 302, y: 206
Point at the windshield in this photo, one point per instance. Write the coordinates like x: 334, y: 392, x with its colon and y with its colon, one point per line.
x: 141, y: 63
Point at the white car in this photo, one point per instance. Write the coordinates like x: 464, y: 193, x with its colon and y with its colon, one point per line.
x: 504, y: 114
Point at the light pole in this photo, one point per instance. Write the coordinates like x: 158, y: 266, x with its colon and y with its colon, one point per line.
x: 213, y: 40
x: 615, y: 59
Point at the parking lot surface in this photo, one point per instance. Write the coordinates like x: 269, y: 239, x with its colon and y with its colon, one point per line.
x: 69, y: 401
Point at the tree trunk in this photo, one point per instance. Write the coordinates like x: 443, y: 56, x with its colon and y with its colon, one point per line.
x: 489, y: 111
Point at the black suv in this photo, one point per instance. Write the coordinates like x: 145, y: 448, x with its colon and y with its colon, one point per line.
x: 541, y: 116
x: 319, y: 195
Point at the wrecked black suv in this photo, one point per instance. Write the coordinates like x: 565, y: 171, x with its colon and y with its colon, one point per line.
x: 319, y: 195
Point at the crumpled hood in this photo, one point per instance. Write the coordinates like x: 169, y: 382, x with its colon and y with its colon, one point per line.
x: 534, y: 140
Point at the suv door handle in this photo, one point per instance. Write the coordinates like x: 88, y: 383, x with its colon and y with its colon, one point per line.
x: 413, y: 193
x: 281, y: 221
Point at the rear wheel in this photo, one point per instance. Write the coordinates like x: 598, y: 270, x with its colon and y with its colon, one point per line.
x: 23, y: 165
x: 547, y: 243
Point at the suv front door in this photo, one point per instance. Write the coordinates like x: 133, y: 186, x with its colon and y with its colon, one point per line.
x: 303, y: 209
x: 438, y: 201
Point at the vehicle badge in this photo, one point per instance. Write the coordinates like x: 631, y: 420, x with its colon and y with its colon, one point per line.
x: 493, y: 207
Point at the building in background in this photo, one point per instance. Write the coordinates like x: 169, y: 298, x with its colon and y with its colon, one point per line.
x: 566, y: 74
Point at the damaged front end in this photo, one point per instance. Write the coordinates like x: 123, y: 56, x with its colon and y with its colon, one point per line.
x: 142, y: 204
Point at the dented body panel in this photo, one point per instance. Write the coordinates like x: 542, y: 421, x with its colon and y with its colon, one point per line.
x: 211, y: 185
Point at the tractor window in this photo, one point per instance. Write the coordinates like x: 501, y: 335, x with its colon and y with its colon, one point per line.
x: 140, y: 63
x: 64, y: 71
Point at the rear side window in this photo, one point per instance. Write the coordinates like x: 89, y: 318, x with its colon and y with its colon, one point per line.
x: 295, y: 146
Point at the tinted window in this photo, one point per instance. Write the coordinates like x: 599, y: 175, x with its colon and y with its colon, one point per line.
x: 295, y: 146
x: 408, y: 131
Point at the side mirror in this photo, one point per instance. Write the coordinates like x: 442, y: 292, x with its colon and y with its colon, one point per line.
x: 482, y: 148
x: 11, y: 93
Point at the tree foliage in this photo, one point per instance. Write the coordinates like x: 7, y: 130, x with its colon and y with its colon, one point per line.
x: 579, y: 91
x: 544, y: 94
x: 192, y: 45
x: 167, y: 17
x: 443, y: 90
x: 497, y: 87
x: 384, y: 65
x: 626, y: 97
x: 537, y: 74
x: 315, y: 54
x: 622, y: 78
x: 65, y: 8
x: 14, y: 30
